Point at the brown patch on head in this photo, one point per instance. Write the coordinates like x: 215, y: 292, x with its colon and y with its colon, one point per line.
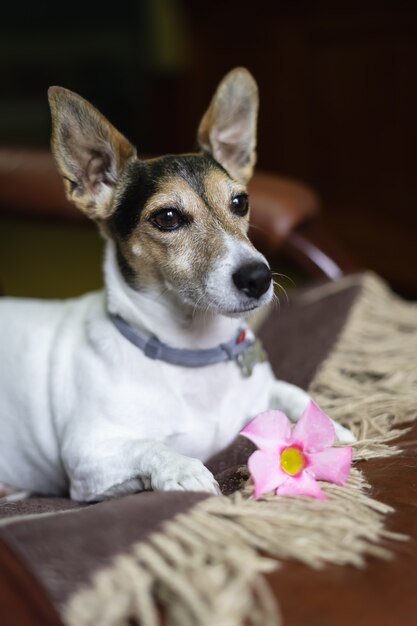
x: 219, y: 196
x: 198, y: 189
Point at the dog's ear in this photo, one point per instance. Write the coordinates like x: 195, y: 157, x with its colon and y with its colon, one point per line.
x: 228, y: 128
x: 89, y: 151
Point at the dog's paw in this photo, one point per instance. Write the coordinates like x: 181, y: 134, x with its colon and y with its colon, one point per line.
x: 181, y: 473
x: 344, y: 435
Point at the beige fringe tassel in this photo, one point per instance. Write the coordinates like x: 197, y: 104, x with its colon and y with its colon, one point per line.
x: 205, y: 567
x: 369, y: 381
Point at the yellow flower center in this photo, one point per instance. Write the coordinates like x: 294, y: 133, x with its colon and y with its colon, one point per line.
x: 292, y: 461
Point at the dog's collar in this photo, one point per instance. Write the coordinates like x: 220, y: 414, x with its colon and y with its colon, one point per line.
x: 244, y: 349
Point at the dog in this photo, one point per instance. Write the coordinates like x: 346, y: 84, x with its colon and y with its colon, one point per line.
x: 134, y: 387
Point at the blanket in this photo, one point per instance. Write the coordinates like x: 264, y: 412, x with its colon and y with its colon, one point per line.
x: 198, y: 560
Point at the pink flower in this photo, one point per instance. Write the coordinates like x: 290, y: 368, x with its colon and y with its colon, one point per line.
x: 292, y: 460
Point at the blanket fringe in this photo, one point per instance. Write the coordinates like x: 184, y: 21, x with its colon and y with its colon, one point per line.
x: 206, y: 566
x: 369, y: 381
x: 194, y: 577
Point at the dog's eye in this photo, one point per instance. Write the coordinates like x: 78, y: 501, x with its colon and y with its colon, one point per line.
x: 240, y: 204
x: 167, y: 219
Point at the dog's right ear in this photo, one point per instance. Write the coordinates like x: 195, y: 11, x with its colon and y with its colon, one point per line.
x: 89, y: 151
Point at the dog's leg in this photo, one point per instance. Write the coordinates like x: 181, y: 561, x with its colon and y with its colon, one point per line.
x: 129, y: 467
x: 288, y: 398
x: 293, y: 401
x: 172, y: 472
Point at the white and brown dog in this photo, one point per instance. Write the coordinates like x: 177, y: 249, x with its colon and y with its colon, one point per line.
x: 136, y: 386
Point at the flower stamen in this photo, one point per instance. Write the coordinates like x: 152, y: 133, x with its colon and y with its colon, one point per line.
x: 292, y: 461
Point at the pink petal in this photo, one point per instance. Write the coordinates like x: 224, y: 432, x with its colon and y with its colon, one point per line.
x: 314, y: 429
x: 268, y: 430
x: 266, y: 471
x: 332, y: 465
x: 302, y: 485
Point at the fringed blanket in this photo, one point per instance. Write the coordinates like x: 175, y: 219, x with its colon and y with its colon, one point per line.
x: 195, y: 560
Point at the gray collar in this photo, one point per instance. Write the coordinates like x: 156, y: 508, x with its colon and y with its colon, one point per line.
x: 155, y: 349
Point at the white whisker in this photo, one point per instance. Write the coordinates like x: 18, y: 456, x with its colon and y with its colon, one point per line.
x: 278, y: 286
x: 276, y: 302
x: 284, y: 276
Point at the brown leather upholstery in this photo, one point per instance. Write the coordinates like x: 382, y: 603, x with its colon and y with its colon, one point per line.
x: 279, y: 206
x: 30, y: 186
x: 23, y: 602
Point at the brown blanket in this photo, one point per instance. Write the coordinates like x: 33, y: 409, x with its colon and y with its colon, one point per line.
x: 194, y: 557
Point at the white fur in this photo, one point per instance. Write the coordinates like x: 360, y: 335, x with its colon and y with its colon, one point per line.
x: 220, y: 288
x: 83, y: 409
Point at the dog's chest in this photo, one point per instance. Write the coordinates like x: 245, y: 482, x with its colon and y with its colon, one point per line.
x: 195, y: 411
x: 216, y: 404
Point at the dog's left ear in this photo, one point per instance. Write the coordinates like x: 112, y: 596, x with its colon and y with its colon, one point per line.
x: 228, y: 128
x: 90, y: 153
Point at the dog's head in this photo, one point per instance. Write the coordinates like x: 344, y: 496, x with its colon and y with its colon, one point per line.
x: 178, y: 222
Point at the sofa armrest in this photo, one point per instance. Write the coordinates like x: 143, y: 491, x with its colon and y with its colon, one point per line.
x: 31, y: 187
x: 317, y: 252
x: 279, y: 206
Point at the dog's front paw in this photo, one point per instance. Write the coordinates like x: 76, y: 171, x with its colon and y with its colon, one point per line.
x: 344, y: 435
x: 181, y: 473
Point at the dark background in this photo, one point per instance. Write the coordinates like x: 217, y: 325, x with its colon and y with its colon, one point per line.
x: 337, y: 85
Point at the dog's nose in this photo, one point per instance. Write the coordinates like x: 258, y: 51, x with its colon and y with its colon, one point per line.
x: 253, y: 279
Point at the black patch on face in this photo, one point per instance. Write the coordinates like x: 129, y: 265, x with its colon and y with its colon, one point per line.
x: 143, y: 178
x: 139, y: 187
x: 126, y: 270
